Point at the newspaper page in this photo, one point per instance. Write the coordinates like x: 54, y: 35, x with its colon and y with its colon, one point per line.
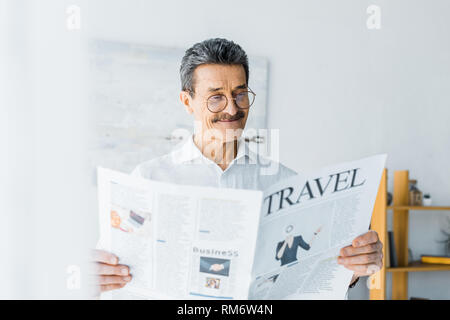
x: 305, y: 221
x: 180, y: 242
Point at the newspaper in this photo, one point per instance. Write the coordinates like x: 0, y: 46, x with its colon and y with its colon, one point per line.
x: 189, y: 242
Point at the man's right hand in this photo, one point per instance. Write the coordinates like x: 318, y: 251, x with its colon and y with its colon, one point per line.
x: 109, y: 274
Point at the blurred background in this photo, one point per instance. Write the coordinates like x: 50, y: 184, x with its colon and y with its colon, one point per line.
x: 86, y: 83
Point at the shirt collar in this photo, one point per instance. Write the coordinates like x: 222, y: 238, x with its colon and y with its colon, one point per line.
x: 190, y: 152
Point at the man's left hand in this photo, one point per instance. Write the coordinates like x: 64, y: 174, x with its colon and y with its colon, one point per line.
x: 364, y: 256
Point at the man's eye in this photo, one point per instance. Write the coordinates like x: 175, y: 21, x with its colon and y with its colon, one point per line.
x: 216, y: 98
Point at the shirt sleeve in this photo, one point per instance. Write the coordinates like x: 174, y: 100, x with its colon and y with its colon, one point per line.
x: 302, y: 243
x: 145, y: 169
x: 272, y: 173
x: 148, y: 168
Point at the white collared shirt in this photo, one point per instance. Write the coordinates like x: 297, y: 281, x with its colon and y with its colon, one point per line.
x: 187, y: 165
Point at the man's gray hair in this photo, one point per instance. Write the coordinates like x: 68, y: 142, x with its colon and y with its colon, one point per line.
x: 211, y: 51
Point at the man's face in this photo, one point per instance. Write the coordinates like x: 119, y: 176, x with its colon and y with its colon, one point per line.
x: 211, y: 81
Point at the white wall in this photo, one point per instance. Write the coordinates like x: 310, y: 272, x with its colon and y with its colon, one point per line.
x: 337, y: 90
x: 44, y: 208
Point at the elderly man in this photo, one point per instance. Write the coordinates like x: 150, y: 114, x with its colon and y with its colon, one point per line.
x: 214, y: 82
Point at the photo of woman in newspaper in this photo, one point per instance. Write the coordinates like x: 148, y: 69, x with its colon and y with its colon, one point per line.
x: 287, y: 249
x: 212, y: 283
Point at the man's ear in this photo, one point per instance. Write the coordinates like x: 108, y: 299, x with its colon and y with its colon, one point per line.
x: 185, y: 99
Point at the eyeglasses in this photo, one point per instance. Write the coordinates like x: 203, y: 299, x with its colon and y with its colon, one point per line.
x: 218, y: 102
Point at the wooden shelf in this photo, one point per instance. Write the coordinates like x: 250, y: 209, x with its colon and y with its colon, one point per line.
x: 400, y: 226
x: 418, y: 266
x: 423, y: 208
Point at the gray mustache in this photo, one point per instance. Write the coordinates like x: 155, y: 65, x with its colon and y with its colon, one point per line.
x: 237, y: 116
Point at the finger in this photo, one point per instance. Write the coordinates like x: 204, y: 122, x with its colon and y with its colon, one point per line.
x: 104, y: 256
x: 352, y: 251
x: 361, y: 259
x: 105, y: 280
x: 109, y: 287
x: 364, y: 270
x: 365, y: 239
x: 106, y: 269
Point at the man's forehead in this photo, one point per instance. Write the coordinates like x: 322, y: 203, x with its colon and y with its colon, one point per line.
x: 212, y: 75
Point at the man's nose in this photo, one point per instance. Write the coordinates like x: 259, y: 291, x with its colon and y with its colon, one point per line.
x: 231, y: 107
